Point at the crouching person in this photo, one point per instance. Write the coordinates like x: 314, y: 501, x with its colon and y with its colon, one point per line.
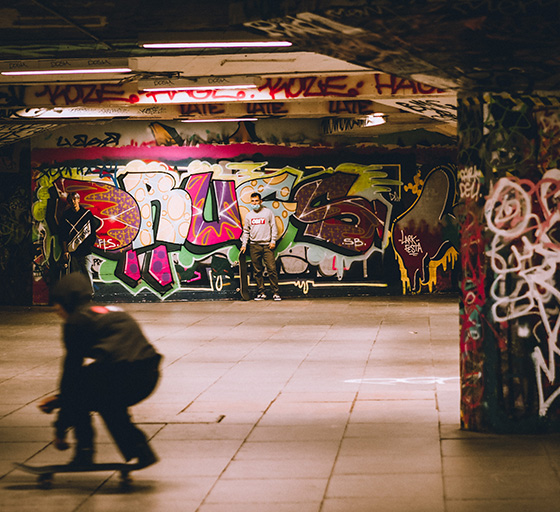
x: 109, y: 365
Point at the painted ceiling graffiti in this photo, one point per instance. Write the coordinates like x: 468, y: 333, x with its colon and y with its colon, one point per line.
x: 279, y: 88
x: 169, y: 229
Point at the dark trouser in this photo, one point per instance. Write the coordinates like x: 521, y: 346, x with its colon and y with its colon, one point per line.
x: 261, y: 256
x: 110, y: 389
x: 82, y: 264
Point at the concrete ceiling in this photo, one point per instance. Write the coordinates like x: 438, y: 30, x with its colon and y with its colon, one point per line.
x: 473, y: 45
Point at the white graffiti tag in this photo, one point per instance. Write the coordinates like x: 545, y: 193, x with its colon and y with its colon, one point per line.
x: 411, y: 244
x: 525, y: 256
x: 469, y: 183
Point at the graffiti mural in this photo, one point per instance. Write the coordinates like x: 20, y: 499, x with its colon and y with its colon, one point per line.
x: 171, y: 226
x: 524, y: 220
x: 509, y: 185
x: 472, y: 313
x: 15, y: 227
x: 422, y: 236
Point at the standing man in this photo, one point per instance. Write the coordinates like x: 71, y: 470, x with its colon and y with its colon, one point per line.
x: 259, y: 229
x: 78, y: 236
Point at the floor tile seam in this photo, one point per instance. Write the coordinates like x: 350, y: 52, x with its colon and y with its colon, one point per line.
x: 263, y: 502
x: 512, y: 440
x: 95, y: 490
x: 349, y: 416
x: 390, y: 399
x: 302, y: 362
x: 441, y: 454
x: 168, y: 332
x: 438, y: 409
x: 30, y: 369
x: 46, y: 444
x: 241, y: 445
x: 17, y: 409
x: 555, y: 468
x: 524, y: 475
x: 366, y: 473
x: 204, y: 390
x: 501, y: 500
x: 449, y: 459
x: 175, y: 361
x: 246, y: 357
x: 275, y: 477
x: 231, y: 367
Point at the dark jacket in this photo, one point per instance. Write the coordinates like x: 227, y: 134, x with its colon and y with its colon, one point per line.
x: 104, y: 335
x: 78, y: 230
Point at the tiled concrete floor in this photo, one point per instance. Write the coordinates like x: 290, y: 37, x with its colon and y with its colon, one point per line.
x: 332, y: 405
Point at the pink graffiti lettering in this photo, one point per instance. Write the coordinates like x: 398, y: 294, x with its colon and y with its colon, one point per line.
x: 309, y: 87
x: 396, y: 85
x: 360, y: 107
x: 72, y: 94
x: 267, y: 109
x: 472, y: 325
x: 346, y: 222
x: 225, y: 224
x: 159, y: 266
x: 132, y: 266
x: 198, y: 95
x: 202, y: 109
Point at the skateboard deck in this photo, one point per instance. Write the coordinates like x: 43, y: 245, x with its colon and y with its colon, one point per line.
x: 243, y: 277
x: 45, y: 473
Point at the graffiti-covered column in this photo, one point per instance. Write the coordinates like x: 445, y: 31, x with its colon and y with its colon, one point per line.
x: 509, y: 178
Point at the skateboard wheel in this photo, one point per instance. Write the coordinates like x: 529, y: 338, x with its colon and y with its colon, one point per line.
x: 125, y: 478
x: 45, y: 481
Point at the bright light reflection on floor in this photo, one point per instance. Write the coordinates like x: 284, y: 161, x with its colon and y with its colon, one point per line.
x: 387, y: 381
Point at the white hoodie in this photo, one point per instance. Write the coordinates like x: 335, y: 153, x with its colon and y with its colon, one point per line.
x: 259, y: 227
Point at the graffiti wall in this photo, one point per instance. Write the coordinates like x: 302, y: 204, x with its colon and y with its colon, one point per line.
x: 352, y: 221
x: 510, y: 261
x: 15, y: 225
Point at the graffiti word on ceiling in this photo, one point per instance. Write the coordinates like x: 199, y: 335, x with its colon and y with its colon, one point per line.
x: 354, y: 86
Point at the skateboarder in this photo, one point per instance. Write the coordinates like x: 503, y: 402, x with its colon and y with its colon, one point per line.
x: 259, y: 230
x: 109, y: 365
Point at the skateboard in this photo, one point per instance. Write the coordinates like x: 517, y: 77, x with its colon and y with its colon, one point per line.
x: 45, y: 473
x: 243, y: 277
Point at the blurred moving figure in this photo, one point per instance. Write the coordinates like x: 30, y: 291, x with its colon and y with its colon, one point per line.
x: 109, y: 365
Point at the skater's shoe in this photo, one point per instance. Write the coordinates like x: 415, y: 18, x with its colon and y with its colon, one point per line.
x: 145, y: 456
x: 82, y: 457
x: 261, y: 296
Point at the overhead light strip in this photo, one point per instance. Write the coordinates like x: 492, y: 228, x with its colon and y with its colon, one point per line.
x: 198, y: 87
x: 374, y: 120
x: 219, y: 44
x: 65, y: 71
x: 217, y: 120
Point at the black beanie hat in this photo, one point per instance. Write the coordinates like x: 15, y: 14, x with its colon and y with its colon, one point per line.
x: 71, y: 291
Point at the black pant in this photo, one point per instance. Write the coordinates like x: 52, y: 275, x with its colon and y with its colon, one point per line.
x: 110, y: 389
x: 262, y: 256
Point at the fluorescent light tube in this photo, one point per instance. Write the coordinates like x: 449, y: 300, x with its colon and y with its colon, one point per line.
x: 225, y: 120
x: 199, y: 87
x: 219, y: 44
x: 374, y: 120
x: 65, y: 71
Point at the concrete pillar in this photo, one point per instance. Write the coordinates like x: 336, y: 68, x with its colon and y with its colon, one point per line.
x: 509, y: 179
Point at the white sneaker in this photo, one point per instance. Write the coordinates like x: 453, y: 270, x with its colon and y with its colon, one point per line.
x: 260, y: 296
x: 276, y: 297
